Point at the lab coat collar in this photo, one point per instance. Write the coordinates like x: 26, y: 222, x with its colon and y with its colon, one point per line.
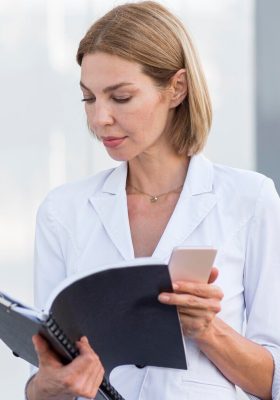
x: 111, y: 206
x: 196, y: 201
x: 199, y: 178
x: 200, y: 175
x: 116, y: 181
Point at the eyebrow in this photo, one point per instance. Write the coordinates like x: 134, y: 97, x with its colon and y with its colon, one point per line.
x: 108, y: 88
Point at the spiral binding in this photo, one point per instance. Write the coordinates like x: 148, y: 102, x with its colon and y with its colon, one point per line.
x: 106, y: 389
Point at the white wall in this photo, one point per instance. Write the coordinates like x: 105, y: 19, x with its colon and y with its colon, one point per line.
x: 44, y: 139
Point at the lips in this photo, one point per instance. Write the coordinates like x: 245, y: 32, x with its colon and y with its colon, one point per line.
x: 112, y: 141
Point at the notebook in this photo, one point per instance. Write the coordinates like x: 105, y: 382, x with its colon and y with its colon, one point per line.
x: 116, y: 308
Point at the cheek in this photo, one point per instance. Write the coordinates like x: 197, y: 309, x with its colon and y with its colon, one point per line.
x: 155, y: 118
x: 149, y: 113
x: 89, y: 112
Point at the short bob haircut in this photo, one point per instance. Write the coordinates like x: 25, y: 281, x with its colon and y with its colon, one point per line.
x: 149, y: 34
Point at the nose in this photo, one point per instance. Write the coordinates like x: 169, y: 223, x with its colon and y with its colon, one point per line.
x: 99, y: 115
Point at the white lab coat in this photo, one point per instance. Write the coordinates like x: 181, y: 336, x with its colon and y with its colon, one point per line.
x: 85, y: 225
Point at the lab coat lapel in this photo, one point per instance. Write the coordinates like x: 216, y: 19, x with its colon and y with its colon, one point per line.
x: 111, y: 206
x: 196, y: 201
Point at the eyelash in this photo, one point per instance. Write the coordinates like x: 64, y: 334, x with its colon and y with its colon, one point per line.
x: 92, y: 99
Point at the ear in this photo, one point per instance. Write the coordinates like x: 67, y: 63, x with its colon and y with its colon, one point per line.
x: 178, y: 88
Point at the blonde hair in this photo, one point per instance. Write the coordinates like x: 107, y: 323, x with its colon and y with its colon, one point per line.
x: 149, y: 34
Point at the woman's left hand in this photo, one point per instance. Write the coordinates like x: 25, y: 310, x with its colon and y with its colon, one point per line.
x: 197, y: 304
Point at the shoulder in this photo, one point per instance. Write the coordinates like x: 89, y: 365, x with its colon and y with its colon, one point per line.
x: 242, y: 181
x: 226, y: 181
x: 68, y: 198
x: 232, y: 176
x: 244, y: 187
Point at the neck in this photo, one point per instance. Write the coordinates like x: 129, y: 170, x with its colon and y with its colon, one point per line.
x: 157, y: 173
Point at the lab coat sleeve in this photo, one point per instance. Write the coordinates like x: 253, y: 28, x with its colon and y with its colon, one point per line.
x: 262, y: 277
x: 52, y: 242
x: 49, y: 252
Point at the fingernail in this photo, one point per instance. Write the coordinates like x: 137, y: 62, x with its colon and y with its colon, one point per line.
x: 164, y: 298
x: 175, y: 286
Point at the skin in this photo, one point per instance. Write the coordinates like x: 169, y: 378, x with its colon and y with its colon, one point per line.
x: 141, y: 113
x: 55, y: 381
x: 138, y: 111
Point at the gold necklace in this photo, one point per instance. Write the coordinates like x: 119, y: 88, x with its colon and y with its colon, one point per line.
x: 154, y: 198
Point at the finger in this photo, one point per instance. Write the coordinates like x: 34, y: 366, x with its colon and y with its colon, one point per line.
x: 46, y: 356
x: 213, y: 275
x: 98, y: 380
x: 95, y: 379
x: 84, y: 345
x: 90, y: 387
x: 88, y: 369
x: 204, y: 309
x: 203, y: 290
x: 97, y: 368
x: 86, y: 382
x: 193, y: 302
x: 87, y: 357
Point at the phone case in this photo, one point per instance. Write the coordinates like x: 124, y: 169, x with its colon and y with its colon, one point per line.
x: 191, y: 263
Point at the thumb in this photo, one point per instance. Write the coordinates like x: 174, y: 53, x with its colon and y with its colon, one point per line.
x: 46, y: 356
x: 213, y: 275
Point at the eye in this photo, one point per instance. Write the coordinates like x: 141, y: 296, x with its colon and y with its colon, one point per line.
x: 121, y: 99
x: 88, y: 99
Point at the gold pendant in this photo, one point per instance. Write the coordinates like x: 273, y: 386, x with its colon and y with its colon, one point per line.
x: 154, y: 199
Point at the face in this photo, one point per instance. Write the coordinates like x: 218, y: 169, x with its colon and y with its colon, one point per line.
x: 124, y: 108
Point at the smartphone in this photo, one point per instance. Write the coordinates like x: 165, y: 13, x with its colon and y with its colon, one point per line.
x: 191, y: 263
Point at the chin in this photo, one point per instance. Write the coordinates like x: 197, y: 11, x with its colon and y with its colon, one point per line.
x: 121, y: 157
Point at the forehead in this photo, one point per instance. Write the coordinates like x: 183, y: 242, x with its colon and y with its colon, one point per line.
x: 101, y: 69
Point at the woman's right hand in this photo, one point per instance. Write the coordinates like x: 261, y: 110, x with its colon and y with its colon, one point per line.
x: 56, y: 381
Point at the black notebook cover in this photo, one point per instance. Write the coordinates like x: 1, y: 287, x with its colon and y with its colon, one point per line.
x: 117, y: 309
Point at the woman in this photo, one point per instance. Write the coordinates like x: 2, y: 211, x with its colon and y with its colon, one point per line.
x: 146, y: 99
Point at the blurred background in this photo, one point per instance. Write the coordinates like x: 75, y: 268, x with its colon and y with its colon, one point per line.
x: 44, y: 140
